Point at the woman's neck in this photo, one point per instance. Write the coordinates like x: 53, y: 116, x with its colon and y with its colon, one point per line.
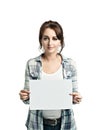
x: 51, y: 57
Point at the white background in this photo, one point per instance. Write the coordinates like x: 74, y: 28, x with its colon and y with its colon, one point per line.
x: 19, y: 25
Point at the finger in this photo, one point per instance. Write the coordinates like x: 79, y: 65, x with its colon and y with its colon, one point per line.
x: 24, y: 94
x: 24, y: 91
x: 75, y: 101
x: 78, y: 99
x: 24, y: 97
x: 78, y: 96
x: 74, y: 94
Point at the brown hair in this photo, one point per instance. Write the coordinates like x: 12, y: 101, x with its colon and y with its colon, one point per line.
x: 56, y: 27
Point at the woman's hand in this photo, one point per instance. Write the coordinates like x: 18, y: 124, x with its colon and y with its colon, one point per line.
x: 76, y: 97
x: 24, y: 95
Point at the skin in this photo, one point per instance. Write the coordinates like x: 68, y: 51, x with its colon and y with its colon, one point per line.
x: 51, y: 60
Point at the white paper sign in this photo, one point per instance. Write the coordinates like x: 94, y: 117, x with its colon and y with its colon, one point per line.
x: 50, y: 94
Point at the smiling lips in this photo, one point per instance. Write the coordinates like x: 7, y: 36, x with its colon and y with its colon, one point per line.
x: 50, y: 48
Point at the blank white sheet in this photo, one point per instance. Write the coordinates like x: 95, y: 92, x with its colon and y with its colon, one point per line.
x: 50, y: 94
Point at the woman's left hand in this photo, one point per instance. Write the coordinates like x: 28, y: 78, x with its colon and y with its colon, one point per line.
x: 76, y: 97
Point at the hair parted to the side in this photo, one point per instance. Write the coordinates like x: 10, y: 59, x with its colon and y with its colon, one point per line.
x: 56, y: 27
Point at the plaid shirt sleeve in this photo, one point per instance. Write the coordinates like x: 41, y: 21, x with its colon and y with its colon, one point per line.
x: 74, y: 75
x: 70, y: 72
x: 31, y: 72
x: 26, y: 84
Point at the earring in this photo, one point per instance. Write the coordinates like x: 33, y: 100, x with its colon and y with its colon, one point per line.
x: 41, y: 49
x: 59, y: 49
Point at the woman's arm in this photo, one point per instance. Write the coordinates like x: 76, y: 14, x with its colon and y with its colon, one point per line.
x: 24, y: 94
x: 76, y: 95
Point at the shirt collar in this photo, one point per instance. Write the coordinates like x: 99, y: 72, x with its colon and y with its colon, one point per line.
x: 39, y: 58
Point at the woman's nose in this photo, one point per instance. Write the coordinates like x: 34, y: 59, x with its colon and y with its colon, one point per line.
x: 49, y: 42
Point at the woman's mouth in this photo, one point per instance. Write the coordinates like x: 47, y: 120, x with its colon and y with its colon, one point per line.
x: 50, y: 48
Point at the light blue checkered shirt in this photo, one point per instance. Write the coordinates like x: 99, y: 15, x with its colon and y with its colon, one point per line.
x: 34, y: 71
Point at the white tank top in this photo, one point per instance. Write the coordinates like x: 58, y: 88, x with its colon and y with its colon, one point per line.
x: 52, y: 114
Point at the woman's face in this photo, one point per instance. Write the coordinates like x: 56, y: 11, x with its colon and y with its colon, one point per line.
x: 50, y: 42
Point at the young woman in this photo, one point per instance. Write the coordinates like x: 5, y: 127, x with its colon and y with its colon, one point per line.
x: 50, y: 65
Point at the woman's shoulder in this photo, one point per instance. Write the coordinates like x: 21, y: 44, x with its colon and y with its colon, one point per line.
x: 69, y: 63
x: 69, y: 60
x: 33, y: 61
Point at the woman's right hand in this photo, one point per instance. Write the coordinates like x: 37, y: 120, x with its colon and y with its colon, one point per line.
x: 24, y: 95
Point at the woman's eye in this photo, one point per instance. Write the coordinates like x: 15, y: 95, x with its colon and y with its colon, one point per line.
x: 45, y: 38
x: 55, y: 38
